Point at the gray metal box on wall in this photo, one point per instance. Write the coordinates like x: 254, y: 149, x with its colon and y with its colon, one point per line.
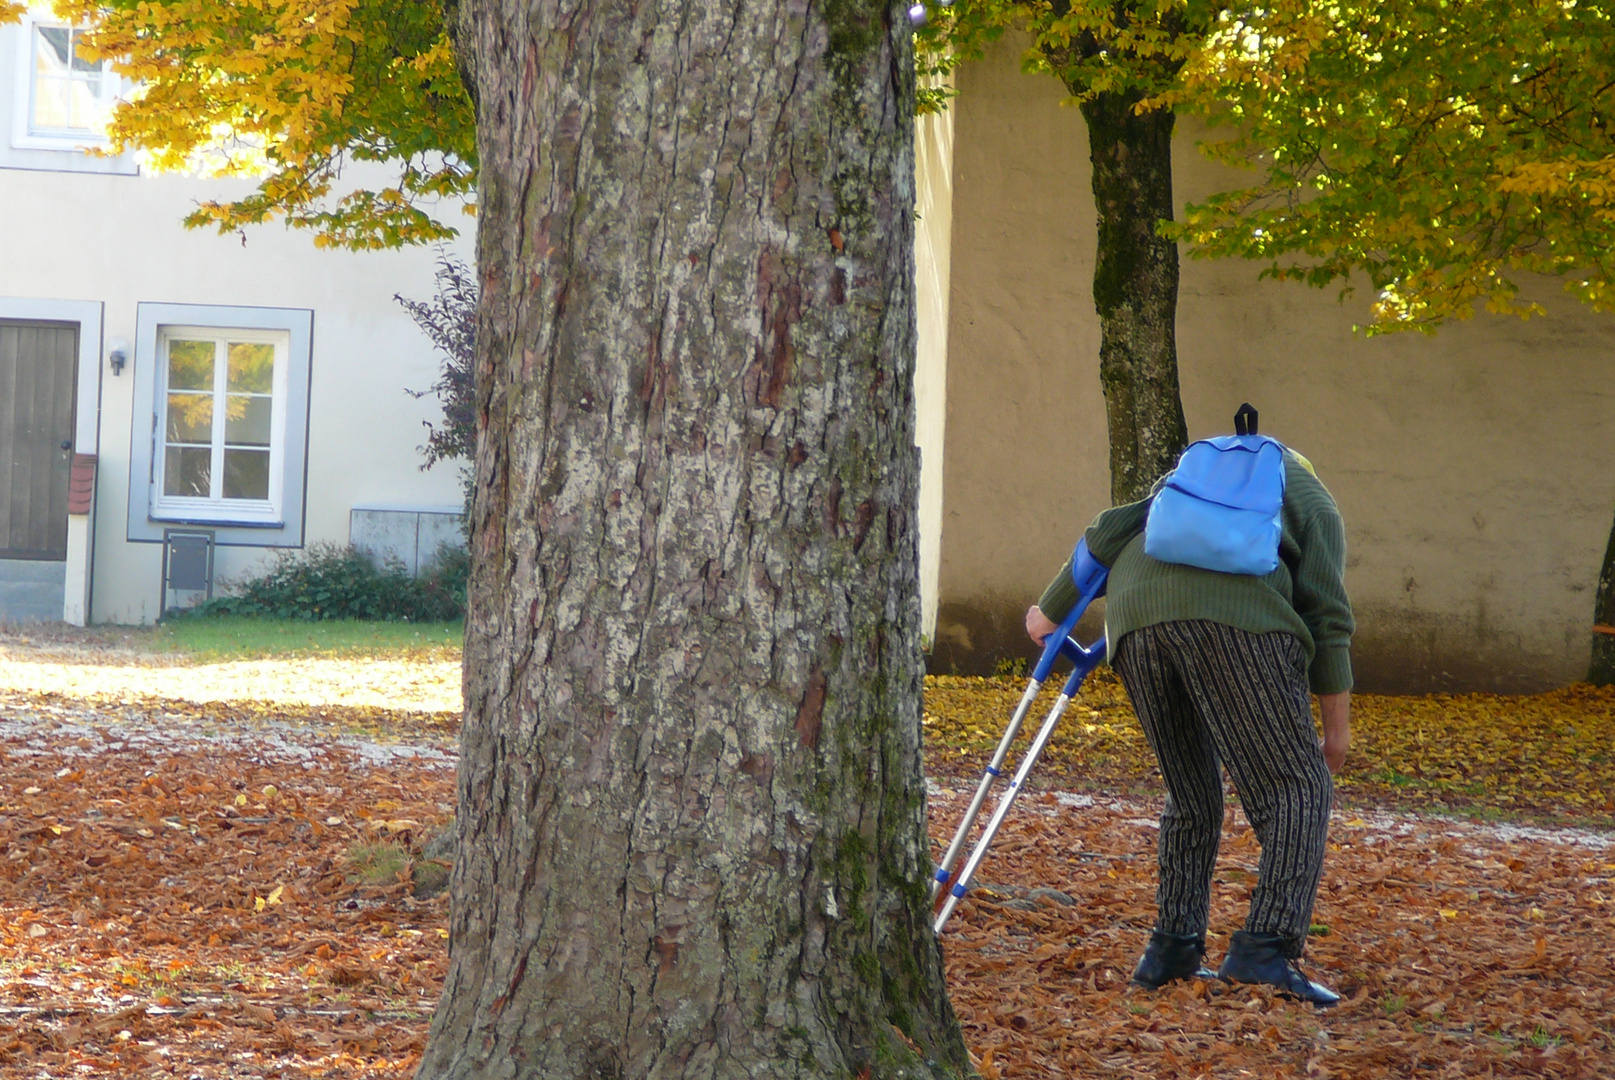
x: 410, y: 534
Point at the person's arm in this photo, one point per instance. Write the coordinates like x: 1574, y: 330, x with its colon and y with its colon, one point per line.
x: 1336, y: 709
x: 1110, y: 532
x: 1318, y: 581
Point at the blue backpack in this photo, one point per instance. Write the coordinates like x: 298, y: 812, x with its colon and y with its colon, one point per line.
x: 1219, y: 509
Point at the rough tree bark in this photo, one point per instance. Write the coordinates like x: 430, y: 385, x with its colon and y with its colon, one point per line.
x: 1601, y: 671
x: 1135, y: 290
x: 690, y: 800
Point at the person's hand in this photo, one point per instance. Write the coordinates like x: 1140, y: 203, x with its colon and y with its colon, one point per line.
x: 1336, y: 709
x: 1038, y: 626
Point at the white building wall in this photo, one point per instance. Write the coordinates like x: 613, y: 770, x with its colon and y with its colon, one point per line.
x: 118, y: 240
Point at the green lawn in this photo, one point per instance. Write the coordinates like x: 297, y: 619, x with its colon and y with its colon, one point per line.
x: 245, y: 638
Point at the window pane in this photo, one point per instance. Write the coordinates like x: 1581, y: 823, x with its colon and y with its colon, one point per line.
x: 188, y: 470
x: 190, y: 365
x: 53, y: 106
x: 88, y: 112
x: 246, y: 420
x: 252, y: 367
x: 246, y: 474
x: 80, y: 61
x: 52, y: 48
x: 190, y: 418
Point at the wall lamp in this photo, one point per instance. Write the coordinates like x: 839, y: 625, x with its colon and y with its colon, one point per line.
x: 117, y: 355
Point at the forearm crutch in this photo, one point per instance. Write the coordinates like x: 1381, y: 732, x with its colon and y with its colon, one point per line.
x: 1089, y: 577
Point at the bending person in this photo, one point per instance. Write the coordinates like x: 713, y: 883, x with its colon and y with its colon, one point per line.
x: 1219, y: 668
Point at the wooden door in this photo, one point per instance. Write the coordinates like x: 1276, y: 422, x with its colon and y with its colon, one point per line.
x: 38, y: 371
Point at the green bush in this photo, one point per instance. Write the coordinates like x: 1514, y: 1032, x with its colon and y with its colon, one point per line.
x: 332, y: 581
x: 449, y: 572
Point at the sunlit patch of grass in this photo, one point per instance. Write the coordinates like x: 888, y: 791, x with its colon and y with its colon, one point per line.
x: 242, y: 638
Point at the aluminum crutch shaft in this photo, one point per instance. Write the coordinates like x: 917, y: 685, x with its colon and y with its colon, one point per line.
x: 1005, y: 801
x: 945, y: 870
x: 1088, y: 576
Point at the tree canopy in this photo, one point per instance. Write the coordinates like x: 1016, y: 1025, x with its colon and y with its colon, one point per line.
x: 1440, y: 148
x: 1091, y: 46
x: 292, y: 92
x: 1443, y: 148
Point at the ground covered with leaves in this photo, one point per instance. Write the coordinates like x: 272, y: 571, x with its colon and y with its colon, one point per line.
x: 185, y: 895
x: 1545, y: 757
x: 194, y: 886
x: 1462, y: 950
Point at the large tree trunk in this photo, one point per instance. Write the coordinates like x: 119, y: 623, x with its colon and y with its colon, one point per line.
x: 1135, y: 289
x: 690, y: 799
x: 1601, y: 672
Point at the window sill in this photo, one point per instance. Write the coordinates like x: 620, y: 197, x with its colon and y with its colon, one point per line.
x: 223, y: 518
x: 221, y: 523
x: 62, y: 143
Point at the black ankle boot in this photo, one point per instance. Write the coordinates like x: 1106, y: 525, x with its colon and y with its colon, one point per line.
x: 1259, y: 958
x: 1168, y: 957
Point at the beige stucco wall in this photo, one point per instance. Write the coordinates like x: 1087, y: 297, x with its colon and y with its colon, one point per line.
x: 1475, y: 469
x: 117, y: 240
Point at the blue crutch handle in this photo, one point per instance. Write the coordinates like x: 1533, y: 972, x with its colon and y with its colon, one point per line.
x: 1086, y: 661
x: 1089, y: 577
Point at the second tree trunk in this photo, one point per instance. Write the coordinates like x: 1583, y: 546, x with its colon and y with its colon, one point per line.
x: 1135, y: 290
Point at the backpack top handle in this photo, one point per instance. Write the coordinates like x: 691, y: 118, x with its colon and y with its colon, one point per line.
x: 1245, y: 420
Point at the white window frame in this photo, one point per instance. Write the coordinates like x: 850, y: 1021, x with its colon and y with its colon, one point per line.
x: 276, y: 522
x: 23, y: 135
x: 216, y: 507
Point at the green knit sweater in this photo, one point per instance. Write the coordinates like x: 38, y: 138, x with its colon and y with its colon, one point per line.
x: 1305, y: 596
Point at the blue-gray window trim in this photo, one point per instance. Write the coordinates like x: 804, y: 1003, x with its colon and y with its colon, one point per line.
x: 299, y: 324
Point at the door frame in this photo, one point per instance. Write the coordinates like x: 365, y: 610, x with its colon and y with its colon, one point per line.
x: 89, y: 315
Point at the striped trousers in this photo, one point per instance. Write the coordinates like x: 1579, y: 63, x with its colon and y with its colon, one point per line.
x: 1208, y: 694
